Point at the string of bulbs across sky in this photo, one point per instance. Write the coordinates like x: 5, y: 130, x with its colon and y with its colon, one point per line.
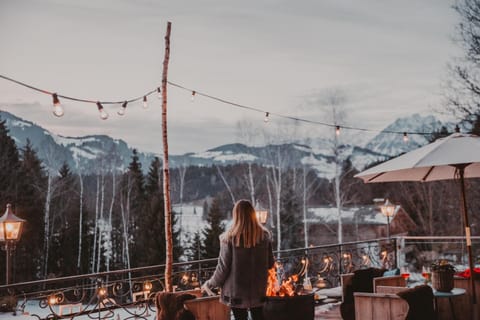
x: 59, y: 111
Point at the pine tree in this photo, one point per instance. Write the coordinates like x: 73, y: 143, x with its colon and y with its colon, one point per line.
x: 29, y: 202
x: 65, y: 223
x: 196, y: 248
x: 215, y: 227
x: 151, y: 229
x: 9, y: 168
x: 135, y: 185
x: 291, y: 218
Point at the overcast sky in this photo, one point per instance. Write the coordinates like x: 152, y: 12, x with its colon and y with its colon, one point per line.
x: 388, y: 58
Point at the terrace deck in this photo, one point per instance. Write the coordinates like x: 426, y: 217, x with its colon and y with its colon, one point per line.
x: 332, y: 314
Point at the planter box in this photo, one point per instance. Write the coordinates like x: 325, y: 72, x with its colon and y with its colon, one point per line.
x: 442, y: 280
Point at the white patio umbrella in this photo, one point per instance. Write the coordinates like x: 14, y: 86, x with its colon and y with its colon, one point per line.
x: 454, y: 157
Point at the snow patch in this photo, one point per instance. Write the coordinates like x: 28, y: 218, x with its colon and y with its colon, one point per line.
x: 79, y: 153
x: 330, y: 214
x: 20, y: 124
x: 302, y: 148
x: 224, y: 157
x: 67, y: 141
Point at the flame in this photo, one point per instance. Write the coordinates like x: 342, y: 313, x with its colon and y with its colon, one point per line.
x: 274, y: 289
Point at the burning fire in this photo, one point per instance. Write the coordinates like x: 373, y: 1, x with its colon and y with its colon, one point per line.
x: 275, y: 289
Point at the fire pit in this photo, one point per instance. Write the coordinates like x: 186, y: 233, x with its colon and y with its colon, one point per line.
x: 290, y: 307
x: 286, y: 299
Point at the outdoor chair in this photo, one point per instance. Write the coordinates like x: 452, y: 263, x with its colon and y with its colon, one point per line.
x: 367, y: 280
x: 420, y: 303
x: 360, y: 281
x: 385, y: 304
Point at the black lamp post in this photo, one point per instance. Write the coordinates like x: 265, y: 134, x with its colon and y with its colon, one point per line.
x: 388, y: 210
x: 10, y: 232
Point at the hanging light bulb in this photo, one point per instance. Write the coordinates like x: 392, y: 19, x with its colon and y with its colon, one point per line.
x: 337, y: 130
x: 405, y: 137
x: 145, y: 104
x: 122, y: 110
x: 159, y: 93
x: 57, y: 107
x: 193, y: 95
x: 266, y: 119
x: 103, y: 113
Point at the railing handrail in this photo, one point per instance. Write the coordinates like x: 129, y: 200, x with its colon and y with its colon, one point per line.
x: 102, y: 274
x: 176, y: 264
x: 334, y: 245
x: 437, y: 237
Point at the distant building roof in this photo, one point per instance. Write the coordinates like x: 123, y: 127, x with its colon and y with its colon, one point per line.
x: 361, y: 215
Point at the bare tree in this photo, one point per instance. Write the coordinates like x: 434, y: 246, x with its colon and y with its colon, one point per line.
x: 247, y: 131
x: 225, y: 182
x: 463, y: 96
x: 46, y: 243
x: 335, y: 100
x: 80, y: 222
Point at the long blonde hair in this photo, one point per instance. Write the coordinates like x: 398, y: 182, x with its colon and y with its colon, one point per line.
x: 245, y: 226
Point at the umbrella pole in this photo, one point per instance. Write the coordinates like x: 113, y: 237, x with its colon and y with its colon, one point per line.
x: 461, y: 171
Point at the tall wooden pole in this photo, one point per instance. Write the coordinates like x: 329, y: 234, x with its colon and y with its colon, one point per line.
x: 166, y: 172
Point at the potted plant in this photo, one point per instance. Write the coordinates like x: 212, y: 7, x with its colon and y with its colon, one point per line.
x: 442, y: 275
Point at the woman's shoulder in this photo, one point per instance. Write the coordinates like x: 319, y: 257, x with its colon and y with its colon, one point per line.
x: 224, y: 238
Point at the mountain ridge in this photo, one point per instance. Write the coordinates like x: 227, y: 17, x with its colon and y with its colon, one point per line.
x: 85, y: 154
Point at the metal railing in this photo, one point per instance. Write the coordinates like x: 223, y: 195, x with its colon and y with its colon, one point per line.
x: 418, y: 251
x: 129, y: 293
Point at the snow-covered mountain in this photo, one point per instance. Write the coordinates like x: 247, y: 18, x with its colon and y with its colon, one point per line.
x: 81, y: 153
x: 392, y: 144
x: 89, y: 152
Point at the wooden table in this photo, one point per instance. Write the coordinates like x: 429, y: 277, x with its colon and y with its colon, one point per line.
x: 451, y: 294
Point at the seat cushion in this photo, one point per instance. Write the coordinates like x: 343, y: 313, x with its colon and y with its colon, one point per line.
x: 420, y: 303
x: 362, y: 281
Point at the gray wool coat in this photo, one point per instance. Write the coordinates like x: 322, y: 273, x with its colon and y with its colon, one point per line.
x: 242, y: 273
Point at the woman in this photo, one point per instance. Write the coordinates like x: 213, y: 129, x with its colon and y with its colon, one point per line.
x: 242, y: 269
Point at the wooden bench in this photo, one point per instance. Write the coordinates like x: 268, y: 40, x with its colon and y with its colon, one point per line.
x: 205, y: 308
x: 208, y: 308
x: 384, y: 304
x: 396, y: 281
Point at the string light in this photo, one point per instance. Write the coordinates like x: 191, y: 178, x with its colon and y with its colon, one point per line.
x: 103, y: 113
x: 56, y: 97
x: 194, y: 92
x: 57, y: 107
x: 266, y: 119
x: 159, y: 93
x: 405, y: 137
x: 145, y: 103
x: 122, y: 110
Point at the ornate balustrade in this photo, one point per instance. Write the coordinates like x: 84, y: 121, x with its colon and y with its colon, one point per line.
x: 129, y: 294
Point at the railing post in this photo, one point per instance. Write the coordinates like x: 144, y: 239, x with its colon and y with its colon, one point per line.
x: 400, y: 250
x: 395, y: 250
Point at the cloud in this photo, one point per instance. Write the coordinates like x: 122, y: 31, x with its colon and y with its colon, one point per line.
x: 272, y: 55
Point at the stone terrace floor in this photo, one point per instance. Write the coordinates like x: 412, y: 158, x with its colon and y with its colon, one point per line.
x: 324, y: 313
